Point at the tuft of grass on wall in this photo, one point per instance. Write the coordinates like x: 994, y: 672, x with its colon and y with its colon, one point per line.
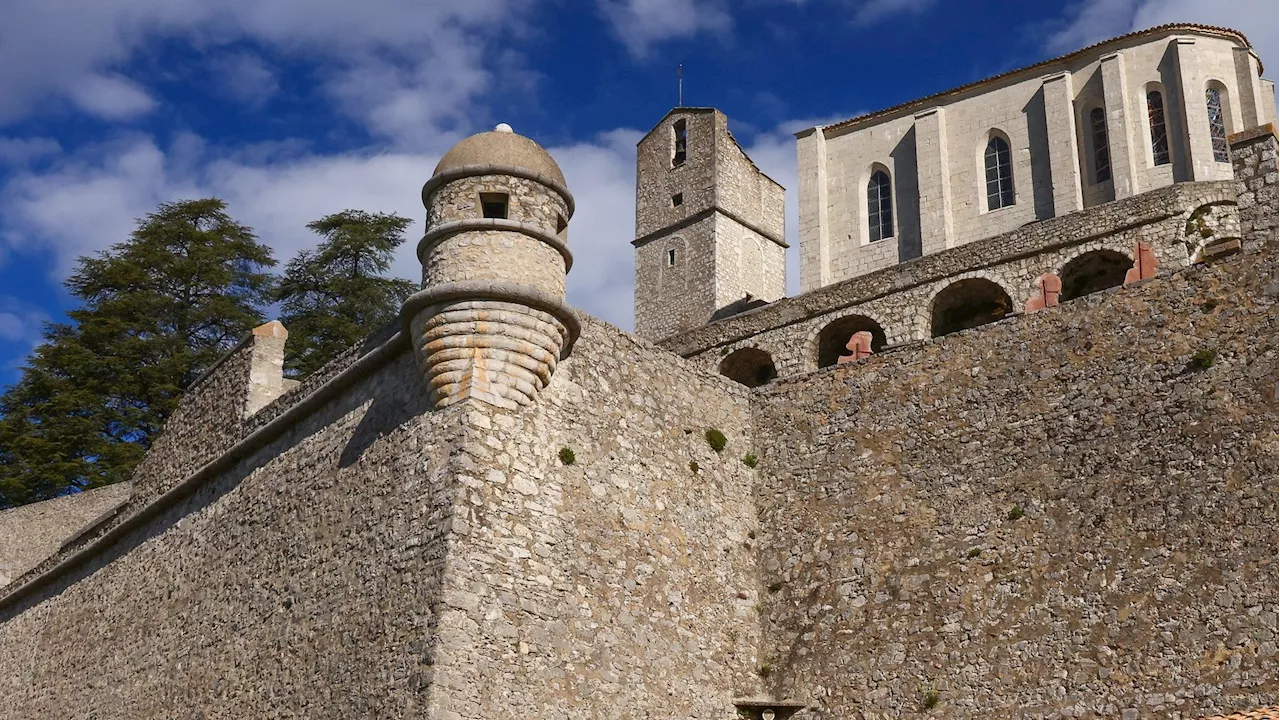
x: 566, y: 456
x: 716, y: 440
x: 750, y: 460
x: 1203, y: 359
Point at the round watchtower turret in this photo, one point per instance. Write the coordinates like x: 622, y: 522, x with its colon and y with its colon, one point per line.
x: 491, y: 322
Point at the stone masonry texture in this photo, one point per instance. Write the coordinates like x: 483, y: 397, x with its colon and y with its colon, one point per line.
x: 31, y: 533
x: 1069, y: 513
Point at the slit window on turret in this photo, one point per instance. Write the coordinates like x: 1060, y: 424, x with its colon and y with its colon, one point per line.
x: 671, y: 258
x: 494, y: 205
x: 681, y: 133
x: 677, y: 200
x: 1101, y: 152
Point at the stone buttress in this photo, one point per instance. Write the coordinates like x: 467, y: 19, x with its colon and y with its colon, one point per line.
x: 491, y: 322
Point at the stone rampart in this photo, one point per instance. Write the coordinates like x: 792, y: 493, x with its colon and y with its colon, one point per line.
x: 1253, y: 158
x: 377, y: 557
x: 31, y: 533
x: 899, y: 299
x: 1067, y: 514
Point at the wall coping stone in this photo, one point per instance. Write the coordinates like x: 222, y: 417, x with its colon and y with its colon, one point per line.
x: 246, y: 446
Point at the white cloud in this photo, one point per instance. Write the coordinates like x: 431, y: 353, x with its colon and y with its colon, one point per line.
x: 1091, y: 21
x: 18, y: 151
x: 639, y: 24
x: 89, y: 202
x: 20, y: 322
x: 873, y: 11
x: 245, y: 77
x: 113, y: 97
x: 393, y: 64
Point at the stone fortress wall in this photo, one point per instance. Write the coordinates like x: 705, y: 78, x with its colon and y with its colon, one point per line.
x: 1063, y: 515
x: 351, y: 546
x: 1068, y: 513
x: 933, y: 148
x: 899, y: 301
x: 709, y: 227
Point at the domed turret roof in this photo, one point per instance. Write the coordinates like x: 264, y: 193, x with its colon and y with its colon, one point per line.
x: 501, y: 146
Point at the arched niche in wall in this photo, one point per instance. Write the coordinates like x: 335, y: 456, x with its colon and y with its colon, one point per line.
x: 752, y: 367
x: 967, y: 304
x: 1093, y: 271
x: 833, y: 338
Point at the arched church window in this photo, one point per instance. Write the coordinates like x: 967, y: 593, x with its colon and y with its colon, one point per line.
x: 1217, y: 127
x: 879, y: 206
x: 1101, y: 152
x: 1159, y: 135
x: 999, y: 173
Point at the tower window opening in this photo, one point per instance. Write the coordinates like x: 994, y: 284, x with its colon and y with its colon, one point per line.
x: 1159, y: 135
x: 999, y: 174
x: 561, y: 224
x: 1217, y: 126
x: 494, y: 205
x: 677, y: 200
x: 671, y: 258
x: 1101, y: 153
x: 681, y: 133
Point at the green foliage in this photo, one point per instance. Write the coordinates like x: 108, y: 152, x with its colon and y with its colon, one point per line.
x: 1016, y: 512
x: 156, y: 311
x: 693, y: 465
x: 750, y: 460
x: 566, y: 456
x: 929, y: 699
x: 716, y: 439
x: 1203, y: 359
x: 975, y: 552
x: 766, y: 669
x: 335, y: 295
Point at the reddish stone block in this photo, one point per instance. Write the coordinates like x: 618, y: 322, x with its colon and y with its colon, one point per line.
x: 1050, y: 287
x: 859, y: 346
x: 1144, y: 264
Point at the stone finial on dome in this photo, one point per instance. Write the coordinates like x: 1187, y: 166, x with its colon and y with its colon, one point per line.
x: 503, y: 127
x: 490, y: 323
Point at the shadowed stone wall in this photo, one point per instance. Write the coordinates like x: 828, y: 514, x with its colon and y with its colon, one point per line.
x: 380, y: 558
x: 1066, y: 514
x: 31, y: 533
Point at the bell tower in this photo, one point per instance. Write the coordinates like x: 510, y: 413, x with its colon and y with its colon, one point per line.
x: 709, y: 226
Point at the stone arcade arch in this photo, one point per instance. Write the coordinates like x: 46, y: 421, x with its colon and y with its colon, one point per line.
x: 967, y: 304
x: 752, y: 367
x: 1093, y: 271
x: 833, y: 338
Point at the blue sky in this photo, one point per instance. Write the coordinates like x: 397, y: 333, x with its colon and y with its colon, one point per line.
x: 291, y: 110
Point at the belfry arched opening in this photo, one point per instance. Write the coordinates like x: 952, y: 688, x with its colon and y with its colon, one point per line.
x: 752, y: 367
x: 833, y: 339
x: 1092, y: 272
x: 967, y: 304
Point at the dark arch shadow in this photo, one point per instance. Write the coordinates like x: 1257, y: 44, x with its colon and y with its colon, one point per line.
x: 752, y: 367
x: 1093, y: 271
x: 967, y: 304
x: 835, y: 336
